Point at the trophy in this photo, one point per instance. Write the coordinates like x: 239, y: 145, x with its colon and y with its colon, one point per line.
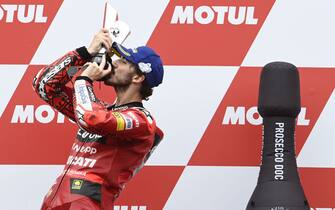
x: 118, y: 30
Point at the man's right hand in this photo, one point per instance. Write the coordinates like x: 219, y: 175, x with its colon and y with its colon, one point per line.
x: 101, y: 39
x: 96, y: 72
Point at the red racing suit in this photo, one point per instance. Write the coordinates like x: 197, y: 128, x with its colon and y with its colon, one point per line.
x: 111, y: 145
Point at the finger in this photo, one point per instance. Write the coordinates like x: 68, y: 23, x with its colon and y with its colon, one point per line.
x: 85, y: 66
x: 109, y: 67
x: 88, y: 64
x: 107, y: 36
x: 92, y: 65
x: 105, y: 44
x: 107, y: 71
x: 108, y: 39
x: 103, y: 62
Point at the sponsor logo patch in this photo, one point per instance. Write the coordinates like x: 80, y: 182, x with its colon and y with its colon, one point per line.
x: 91, y: 94
x: 145, y: 67
x: 133, y: 116
x: 82, y: 95
x: 128, y: 121
x: 76, y: 184
x: 120, y: 122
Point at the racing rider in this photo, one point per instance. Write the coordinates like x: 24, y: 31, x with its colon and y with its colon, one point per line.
x: 113, y: 141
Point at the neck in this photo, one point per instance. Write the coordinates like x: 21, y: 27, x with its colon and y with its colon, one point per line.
x: 126, y: 95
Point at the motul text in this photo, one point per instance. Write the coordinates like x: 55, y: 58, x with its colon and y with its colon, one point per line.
x: 218, y: 14
x: 22, y: 13
x: 240, y: 115
x: 42, y: 114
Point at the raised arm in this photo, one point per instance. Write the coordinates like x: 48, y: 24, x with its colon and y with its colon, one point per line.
x: 51, y: 81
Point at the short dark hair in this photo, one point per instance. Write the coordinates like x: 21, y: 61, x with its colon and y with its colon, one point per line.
x: 145, y: 91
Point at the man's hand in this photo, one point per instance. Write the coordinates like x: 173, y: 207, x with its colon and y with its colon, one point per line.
x: 101, y: 39
x: 95, y: 71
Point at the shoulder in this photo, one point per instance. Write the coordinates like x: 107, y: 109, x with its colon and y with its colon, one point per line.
x: 147, y: 115
x: 138, y: 117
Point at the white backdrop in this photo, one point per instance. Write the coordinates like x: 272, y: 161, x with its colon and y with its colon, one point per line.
x: 200, y: 164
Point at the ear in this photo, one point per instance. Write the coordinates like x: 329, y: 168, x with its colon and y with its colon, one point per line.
x: 138, y: 78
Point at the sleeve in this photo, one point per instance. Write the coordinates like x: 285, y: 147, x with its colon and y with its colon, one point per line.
x: 51, y: 81
x: 94, y: 117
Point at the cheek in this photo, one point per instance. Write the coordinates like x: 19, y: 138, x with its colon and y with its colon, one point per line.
x: 123, y: 73
x: 117, y: 77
